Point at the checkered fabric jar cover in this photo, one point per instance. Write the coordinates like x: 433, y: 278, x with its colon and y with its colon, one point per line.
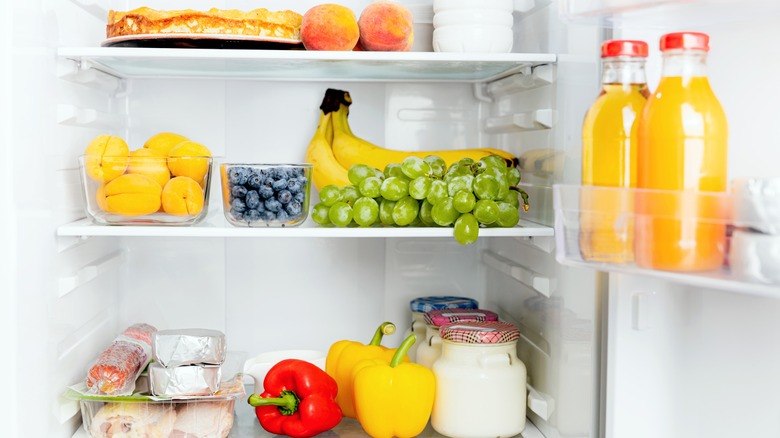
x: 480, y: 332
x: 426, y: 304
x: 448, y: 316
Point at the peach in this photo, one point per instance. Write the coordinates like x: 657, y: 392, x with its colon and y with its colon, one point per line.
x: 189, y: 159
x: 106, y: 158
x: 131, y: 194
x: 329, y: 27
x: 386, y: 26
x: 182, y: 196
x: 164, y: 142
x: 150, y: 163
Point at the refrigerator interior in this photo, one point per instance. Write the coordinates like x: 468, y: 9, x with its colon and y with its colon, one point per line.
x: 606, y: 355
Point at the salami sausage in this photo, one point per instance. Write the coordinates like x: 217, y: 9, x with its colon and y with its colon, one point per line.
x: 118, y: 366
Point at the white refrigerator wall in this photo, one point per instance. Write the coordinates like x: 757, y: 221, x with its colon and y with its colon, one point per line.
x: 687, y: 361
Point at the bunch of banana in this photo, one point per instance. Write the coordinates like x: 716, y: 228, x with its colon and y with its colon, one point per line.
x: 350, y: 149
x: 325, y: 170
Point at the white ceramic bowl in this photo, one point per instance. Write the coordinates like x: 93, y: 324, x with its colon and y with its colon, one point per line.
x: 446, y: 5
x: 473, y: 39
x: 258, y: 366
x: 479, y: 17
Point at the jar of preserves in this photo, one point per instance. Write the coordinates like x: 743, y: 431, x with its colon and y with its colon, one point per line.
x: 421, y: 305
x: 430, y: 346
x: 479, y: 376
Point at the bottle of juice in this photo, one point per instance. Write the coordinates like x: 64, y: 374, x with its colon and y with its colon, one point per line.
x: 683, y: 138
x: 609, y: 154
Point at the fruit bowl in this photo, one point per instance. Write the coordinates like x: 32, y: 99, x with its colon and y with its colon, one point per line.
x: 145, y: 189
x: 265, y: 195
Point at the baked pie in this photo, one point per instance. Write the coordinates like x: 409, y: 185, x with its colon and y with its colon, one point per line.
x: 259, y: 22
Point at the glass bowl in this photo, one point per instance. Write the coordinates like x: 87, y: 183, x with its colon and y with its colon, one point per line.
x: 265, y: 195
x: 145, y: 190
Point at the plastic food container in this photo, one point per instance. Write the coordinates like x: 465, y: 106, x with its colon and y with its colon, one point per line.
x: 473, y: 26
x: 420, y: 305
x: 145, y: 190
x: 478, y: 363
x: 265, y: 195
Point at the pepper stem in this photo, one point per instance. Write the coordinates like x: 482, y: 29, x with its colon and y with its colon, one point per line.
x: 387, y: 328
x: 287, y: 402
x: 398, y: 357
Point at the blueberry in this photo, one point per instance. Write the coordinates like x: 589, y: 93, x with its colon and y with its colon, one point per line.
x: 272, y: 205
x: 284, y: 196
x: 293, y: 186
x: 299, y: 197
x: 238, y: 191
x: 295, y: 172
x: 294, y: 209
x: 268, y: 216
x: 255, y: 180
x: 238, y: 205
x: 252, y: 216
x: 280, y: 173
x: 266, y: 192
x: 237, y: 215
x: 302, y: 179
x: 238, y: 175
x: 281, y: 216
x: 252, y: 199
x: 280, y: 184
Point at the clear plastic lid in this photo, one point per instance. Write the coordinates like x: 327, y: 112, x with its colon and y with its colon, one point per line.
x: 426, y: 304
x: 480, y: 332
x: 441, y: 317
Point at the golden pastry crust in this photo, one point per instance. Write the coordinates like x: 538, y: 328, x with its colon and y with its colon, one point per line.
x: 258, y: 22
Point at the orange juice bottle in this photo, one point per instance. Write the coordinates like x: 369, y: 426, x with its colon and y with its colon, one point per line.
x: 609, y: 154
x: 683, y: 138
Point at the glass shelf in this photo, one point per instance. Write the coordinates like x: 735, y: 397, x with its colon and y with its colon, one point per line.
x: 295, y: 65
x: 215, y: 225
x: 618, y: 216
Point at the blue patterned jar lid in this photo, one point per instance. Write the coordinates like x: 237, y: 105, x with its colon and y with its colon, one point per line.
x: 480, y: 332
x: 426, y: 304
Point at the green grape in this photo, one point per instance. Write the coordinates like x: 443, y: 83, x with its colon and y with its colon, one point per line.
x: 330, y: 194
x: 413, y: 167
x: 480, y: 167
x: 350, y: 194
x: 370, y: 187
x: 494, y: 161
x: 437, y: 192
x: 466, y: 161
x: 486, y: 186
x: 512, y: 197
x: 359, y: 172
x: 456, y: 170
x: 320, y: 214
x: 486, y: 211
x: 417, y: 222
x: 365, y: 212
x: 458, y: 183
x: 503, y: 188
x: 393, y: 169
x: 466, y: 229
x: 497, y: 172
x: 438, y: 165
x: 405, y: 211
x: 420, y: 186
x: 379, y: 174
x: 464, y: 201
x: 425, y: 213
x: 508, y: 216
x: 340, y: 214
x: 513, y: 176
x: 386, y: 212
x: 444, y: 213
x: 394, y: 188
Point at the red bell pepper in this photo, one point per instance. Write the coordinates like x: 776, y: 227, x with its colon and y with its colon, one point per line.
x: 299, y: 400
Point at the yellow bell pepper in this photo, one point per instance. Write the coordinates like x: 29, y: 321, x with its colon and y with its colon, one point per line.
x: 344, y: 355
x: 394, y: 399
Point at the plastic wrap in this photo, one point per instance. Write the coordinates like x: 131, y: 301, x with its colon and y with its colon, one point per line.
x: 119, y: 365
x: 172, y: 348
x: 755, y: 257
x: 757, y: 204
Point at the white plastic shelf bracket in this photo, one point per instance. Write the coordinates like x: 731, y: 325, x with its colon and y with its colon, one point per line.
x: 89, y: 272
x: 539, y: 403
x: 543, y: 285
x: 526, y: 121
x: 528, y: 78
x: 79, y: 72
x: 75, y: 116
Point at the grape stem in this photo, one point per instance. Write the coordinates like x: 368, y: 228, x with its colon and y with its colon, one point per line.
x: 523, y: 195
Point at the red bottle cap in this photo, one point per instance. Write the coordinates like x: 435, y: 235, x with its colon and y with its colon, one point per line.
x: 685, y: 40
x: 624, y: 48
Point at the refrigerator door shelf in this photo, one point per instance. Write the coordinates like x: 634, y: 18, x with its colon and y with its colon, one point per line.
x: 292, y: 65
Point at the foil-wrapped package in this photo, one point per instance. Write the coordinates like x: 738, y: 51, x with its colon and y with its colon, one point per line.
x: 184, y: 380
x: 757, y: 204
x: 755, y: 257
x: 173, y: 348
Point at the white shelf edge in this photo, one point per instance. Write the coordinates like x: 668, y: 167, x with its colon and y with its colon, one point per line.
x: 219, y: 227
x: 712, y: 280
